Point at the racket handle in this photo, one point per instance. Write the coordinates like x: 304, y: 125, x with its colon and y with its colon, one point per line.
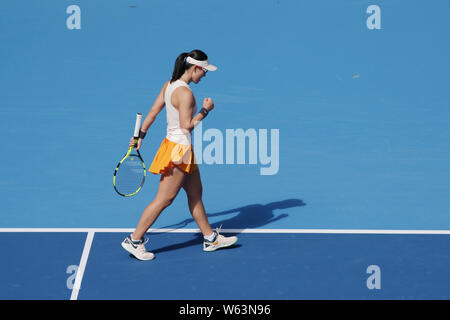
x: 137, y: 126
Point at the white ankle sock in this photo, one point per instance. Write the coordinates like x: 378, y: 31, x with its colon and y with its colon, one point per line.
x: 131, y: 237
x: 211, y: 237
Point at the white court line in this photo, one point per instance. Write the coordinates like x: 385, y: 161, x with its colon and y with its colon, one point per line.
x: 80, y: 272
x: 324, y: 231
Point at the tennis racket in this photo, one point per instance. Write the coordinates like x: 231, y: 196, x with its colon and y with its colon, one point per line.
x: 129, y: 175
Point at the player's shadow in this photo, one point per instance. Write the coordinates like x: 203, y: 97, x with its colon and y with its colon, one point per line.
x: 251, y: 216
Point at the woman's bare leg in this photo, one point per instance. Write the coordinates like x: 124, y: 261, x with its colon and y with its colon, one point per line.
x: 193, y: 187
x: 169, y: 185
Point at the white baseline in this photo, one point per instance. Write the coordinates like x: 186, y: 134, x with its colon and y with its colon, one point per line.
x: 182, y: 230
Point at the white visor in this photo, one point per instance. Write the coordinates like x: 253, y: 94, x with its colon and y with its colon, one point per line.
x: 204, y: 64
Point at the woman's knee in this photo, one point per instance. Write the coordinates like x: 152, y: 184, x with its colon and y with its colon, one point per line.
x: 165, y: 201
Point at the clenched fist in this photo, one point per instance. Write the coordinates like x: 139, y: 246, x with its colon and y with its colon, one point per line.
x: 208, y: 104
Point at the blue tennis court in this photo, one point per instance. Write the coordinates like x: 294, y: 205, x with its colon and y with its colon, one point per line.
x: 340, y: 189
x: 264, y: 266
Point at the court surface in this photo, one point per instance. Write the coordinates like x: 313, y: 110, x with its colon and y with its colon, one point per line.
x: 358, y: 203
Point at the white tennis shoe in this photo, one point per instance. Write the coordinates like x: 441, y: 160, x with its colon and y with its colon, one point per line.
x: 219, y: 241
x: 137, y: 249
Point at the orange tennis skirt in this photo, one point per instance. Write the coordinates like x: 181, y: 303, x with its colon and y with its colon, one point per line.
x: 171, y: 154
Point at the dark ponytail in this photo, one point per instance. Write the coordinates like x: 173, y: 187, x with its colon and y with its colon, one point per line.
x: 181, y: 65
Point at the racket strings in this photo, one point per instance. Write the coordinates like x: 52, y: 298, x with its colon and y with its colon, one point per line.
x: 130, y: 176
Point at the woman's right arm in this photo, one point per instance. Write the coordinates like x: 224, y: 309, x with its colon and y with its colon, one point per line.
x: 158, y: 105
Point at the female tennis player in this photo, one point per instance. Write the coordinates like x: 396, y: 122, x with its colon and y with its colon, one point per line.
x: 175, y: 159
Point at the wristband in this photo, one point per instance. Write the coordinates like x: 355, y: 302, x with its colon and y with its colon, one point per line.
x: 142, y: 134
x: 204, y: 112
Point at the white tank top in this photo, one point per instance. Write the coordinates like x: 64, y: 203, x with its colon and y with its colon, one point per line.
x: 174, y: 131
